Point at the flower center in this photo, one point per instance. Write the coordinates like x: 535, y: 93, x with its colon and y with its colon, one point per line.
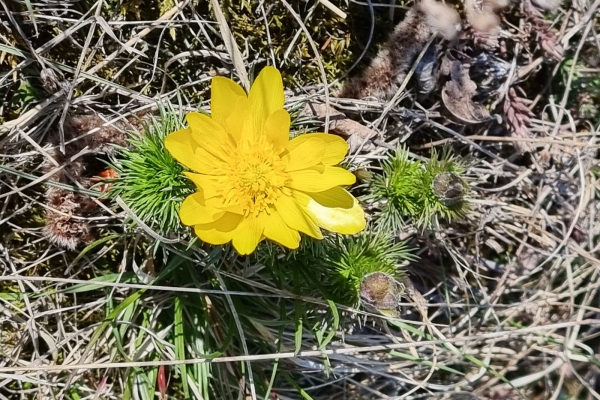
x: 254, y: 177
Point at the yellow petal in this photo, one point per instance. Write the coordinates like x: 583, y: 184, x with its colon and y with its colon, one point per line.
x: 347, y: 221
x: 224, y: 94
x: 278, y: 231
x: 277, y: 129
x: 217, y: 202
x: 266, y: 97
x: 334, y: 197
x: 248, y: 234
x: 239, y: 121
x: 296, y: 217
x: 313, y: 180
x: 335, y: 147
x: 209, y: 184
x: 308, y: 154
x: 208, y: 164
x: 183, y: 148
x: 209, y: 135
x: 194, y: 210
x: 220, y: 231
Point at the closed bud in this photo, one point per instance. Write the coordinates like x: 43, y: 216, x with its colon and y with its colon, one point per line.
x: 449, y: 188
x: 380, y: 292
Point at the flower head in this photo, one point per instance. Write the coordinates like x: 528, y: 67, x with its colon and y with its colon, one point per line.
x: 252, y: 181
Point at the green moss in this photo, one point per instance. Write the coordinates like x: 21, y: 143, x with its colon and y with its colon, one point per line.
x: 292, y: 51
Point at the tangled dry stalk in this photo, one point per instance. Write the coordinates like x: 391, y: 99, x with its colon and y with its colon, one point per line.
x: 505, y: 303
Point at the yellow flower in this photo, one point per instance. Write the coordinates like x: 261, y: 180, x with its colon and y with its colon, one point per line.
x: 253, y: 181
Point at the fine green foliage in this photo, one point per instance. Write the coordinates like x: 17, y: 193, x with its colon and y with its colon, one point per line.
x: 443, y: 199
x: 423, y: 192
x: 352, y: 258
x: 334, y: 268
x: 397, y: 189
x: 150, y: 180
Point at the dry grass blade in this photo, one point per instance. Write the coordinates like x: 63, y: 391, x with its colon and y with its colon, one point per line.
x: 231, y: 45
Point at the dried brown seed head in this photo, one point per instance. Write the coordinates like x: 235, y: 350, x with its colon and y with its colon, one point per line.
x: 382, y: 79
x: 441, y: 18
x: 65, y: 231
